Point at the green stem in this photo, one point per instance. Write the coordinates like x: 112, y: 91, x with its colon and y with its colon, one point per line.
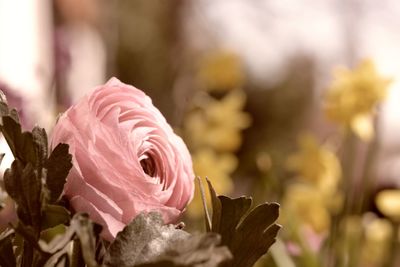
x: 367, y: 183
x: 76, y: 257
x: 394, y: 247
x: 27, y: 258
x: 348, y: 157
x: 354, y: 248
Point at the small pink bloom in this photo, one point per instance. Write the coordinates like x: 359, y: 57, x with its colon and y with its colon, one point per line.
x: 311, y: 239
x: 126, y: 158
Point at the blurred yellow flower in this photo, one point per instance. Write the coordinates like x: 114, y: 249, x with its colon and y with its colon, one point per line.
x: 217, y: 168
x: 378, y: 233
x: 221, y: 71
x: 264, y: 162
x: 306, y: 205
x: 353, y: 97
x: 316, y: 164
x: 388, y: 202
x: 315, y: 196
x: 218, y: 124
x: 379, y: 230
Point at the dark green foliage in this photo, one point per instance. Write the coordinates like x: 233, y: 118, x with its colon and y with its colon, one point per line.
x: 23, y: 185
x: 148, y: 242
x: 34, y: 182
x: 247, y: 234
x: 58, y: 166
x: 7, y: 258
x: 21, y: 143
x: 197, y: 250
x: 54, y: 215
x: 46, y: 235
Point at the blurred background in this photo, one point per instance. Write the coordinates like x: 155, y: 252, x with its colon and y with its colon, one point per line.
x: 289, y: 101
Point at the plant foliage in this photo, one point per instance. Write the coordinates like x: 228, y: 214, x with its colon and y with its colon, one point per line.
x: 45, y: 233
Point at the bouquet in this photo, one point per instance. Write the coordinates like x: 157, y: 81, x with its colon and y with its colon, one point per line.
x: 109, y: 187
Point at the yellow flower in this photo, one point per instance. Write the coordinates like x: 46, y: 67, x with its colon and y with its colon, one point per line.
x: 353, y: 97
x: 312, y: 200
x: 377, y: 240
x: 306, y: 205
x: 217, y: 168
x: 264, y: 162
x: 218, y: 124
x: 316, y: 164
x: 388, y: 202
x: 221, y: 71
x: 379, y: 230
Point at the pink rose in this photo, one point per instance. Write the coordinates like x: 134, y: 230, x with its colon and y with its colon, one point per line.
x: 126, y: 158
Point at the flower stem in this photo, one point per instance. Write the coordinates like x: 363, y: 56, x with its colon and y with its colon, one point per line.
x: 76, y: 256
x: 348, y: 156
x: 367, y: 183
x: 394, y: 247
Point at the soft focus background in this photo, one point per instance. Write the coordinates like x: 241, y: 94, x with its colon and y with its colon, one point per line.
x: 296, y: 102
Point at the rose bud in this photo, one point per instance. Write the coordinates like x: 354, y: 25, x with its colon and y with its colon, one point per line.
x: 126, y: 158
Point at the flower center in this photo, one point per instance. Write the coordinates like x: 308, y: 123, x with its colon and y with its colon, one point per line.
x: 149, y: 166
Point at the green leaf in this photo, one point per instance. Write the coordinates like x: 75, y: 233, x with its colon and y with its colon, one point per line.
x: 84, y: 230
x: 58, y: 242
x: 28, y: 234
x: 50, y: 233
x: 7, y: 257
x: 146, y: 241
x: 200, y: 250
x: 28, y: 147
x: 232, y: 211
x: 31, y: 255
x: 79, y: 236
x: 20, y: 143
x: 248, y: 234
x: 207, y: 217
x: 59, y: 257
x: 259, y: 229
x: 54, y: 215
x: 40, y: 139
x: 5, y: 110
x: 58, y: 166
x: 24, y: 182
x: 23, y: 185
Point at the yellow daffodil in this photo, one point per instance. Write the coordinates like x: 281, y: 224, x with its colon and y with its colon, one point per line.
x: 221, y: 71
x: 315, y: 196
x: 316, y: 164
x: 218, y: 124
x: 378, y: 233
x: 388, y: 202
x: 378, y: 230
x: 353, y: 96
x: 306, y: 205
x: 217, y: 168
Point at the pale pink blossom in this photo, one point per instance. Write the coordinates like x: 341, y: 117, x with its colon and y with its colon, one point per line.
x: 126, y: 158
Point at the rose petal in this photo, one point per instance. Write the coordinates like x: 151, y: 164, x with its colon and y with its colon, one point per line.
x: 109, y: 132
x: 111, y: 226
